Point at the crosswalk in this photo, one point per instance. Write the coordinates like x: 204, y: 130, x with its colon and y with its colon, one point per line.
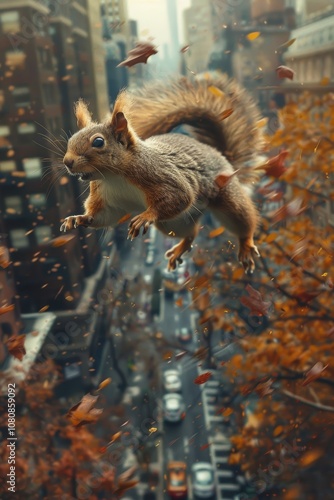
x: 227, y: 486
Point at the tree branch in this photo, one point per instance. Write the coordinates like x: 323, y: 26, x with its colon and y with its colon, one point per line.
x: 319, y: 406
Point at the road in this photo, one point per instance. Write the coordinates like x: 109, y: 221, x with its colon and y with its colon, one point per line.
x: 202, y: 435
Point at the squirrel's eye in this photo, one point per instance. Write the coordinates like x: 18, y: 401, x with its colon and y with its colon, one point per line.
x: 98, y: 142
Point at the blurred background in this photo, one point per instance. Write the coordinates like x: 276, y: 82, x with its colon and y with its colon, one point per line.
x: 93, y: 305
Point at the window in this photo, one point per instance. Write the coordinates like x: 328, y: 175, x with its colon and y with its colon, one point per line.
x: 15, y: 58
x: 21, y: 97
x: 18, y: 238
x: 4, y: 130
x: 10, y: 21
x: 26, y: 128
x: 7, y: 166
x: 43, y: 234
x: 32, y: 167
x: 38, y: 200
x: 13, y: 204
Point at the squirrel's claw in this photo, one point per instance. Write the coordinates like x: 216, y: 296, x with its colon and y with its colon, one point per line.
x: 76, y: 220
x: 246, y: 257
x: 136, y: 223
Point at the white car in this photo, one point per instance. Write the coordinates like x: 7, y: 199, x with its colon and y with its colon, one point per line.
x: 203, y: 480
x: 173, y: 407
x: 172, y: 381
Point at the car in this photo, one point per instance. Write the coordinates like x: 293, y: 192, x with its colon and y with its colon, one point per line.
x: 149, y: 257
x: 172, y: 381
x: 173, y: 407
x: 203, y: 480
x: 177, y: 479
x: 183, y: 334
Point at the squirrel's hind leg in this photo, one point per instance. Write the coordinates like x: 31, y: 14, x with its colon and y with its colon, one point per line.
x: 175, y: 253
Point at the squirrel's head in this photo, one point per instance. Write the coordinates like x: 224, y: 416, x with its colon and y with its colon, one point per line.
x: 98, y: 148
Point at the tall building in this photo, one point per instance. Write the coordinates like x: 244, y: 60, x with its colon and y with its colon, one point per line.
x: 174, y: 52
x: 49, y: 57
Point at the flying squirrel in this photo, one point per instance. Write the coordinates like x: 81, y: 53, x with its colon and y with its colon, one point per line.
x: 135, y: 166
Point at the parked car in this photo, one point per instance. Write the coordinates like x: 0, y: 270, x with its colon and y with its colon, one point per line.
x: 183, y: 334
x: 203, y: 480
x: 173, y: 407
x: 177, y: 479
x: 149, y: 257
x: 172, y: 381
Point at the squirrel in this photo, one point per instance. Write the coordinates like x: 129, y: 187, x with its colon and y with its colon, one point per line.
x: 134, y: 166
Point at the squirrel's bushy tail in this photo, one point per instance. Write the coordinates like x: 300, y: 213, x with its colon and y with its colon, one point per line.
x: 218, y: 111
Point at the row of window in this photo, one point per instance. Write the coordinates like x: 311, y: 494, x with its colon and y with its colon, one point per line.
x: 15, y: 203
x: 31, y: 166
x: 20, y: 239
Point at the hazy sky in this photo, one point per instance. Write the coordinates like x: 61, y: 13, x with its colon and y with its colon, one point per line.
x: 152, y: 18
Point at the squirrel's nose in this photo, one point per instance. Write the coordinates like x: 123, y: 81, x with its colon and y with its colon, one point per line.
x: 68, y: 161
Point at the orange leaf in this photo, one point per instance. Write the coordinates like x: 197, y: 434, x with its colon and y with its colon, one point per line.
x: 215, y: 91
x: 216, y: 232
x: 61, y: 240
x: 310, y: 457
x: 185, y: 48
x: 287, y: 44
x: 271, y: 237
x: 43, y: 309
x: 124, y: 218
x: 225, y: 114
x: 204, y: 377
x: 314, y: 373
x: 115, y: 436
x: 227, y: 412
x: 325, y: 80
x: 278, y: 430
x: 179, y: 302
x: 84, y: 412
x: 223, y: 179
x: 104, y: 383
x: 16, y: 347
x: 253, y: 35
x: 6, y: 309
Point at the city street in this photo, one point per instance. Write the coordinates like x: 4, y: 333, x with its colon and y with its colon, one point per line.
x: 202, y: 434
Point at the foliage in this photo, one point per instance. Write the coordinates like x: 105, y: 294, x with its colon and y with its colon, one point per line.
x: 282, y: 318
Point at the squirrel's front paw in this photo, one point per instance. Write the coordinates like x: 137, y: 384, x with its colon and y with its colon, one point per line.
x: 142, y: 220
x: 248, y: 251
x: 76, y: 220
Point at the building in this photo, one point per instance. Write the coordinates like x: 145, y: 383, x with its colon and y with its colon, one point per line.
x: 46, y: 66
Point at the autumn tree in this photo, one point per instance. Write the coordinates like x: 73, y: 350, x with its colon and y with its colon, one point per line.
x: 281, y: 318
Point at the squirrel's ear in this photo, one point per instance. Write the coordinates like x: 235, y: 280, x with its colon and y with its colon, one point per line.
x: 119, y: 125
x: 82, y: 114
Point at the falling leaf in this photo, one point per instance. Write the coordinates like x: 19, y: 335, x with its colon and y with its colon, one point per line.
x: 185, y: 49
x: 152, y: 430
x: 314, y: 373
x: 115, y: 436
x: 104, y: 384
x: 6, y: 309
x: 255, y: 302
x: 265, y: 388
x: 205, y: 446
x: 287, y: 44
x: 291, y: 209
x: 124, y: 218
x: 201, y: 353
x: 227, y: 412
x: 204, y: 377
x: 285, y: 72
x: 216, y: 91
x: 225, y: 114
x: 216, y: 232
x: 84, y: 412
x: 61, y: 240
x: 274, y: 167
x: 325, y: 81
x: 179, y: 302
x: 223, y: 179
x: 140, y: 54
x: 278, y: 430
x: 16, y: 347
x: 262, y: 123
x: 311, y: 456
x: 63, y: 181
x: 43, y: 309
x: 253, y: 36
x: 180, y: 355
